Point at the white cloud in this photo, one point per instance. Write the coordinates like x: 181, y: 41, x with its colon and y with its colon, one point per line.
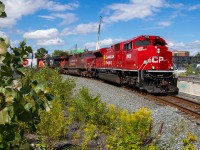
x: 40, y: 34
x: 14, y: 43
x: 3, y: 34
x: 193, y: 47
x: 165, y: 23
x: 134, y: 9
x: 47, y: 37
x: 50, y: 42
x: 174, y: 5
x: 68, y: 18
x: 81, y: 29
x: 47, y: 17
x: 51, y: 5
x: 16, y: 9
x: 18, y: 31
x: 103, y: 43
x: 194, y: 7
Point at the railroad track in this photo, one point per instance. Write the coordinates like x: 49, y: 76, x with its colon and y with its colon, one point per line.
x: 189, y: 107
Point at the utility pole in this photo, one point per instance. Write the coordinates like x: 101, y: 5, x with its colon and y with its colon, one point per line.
x: 98, y: 42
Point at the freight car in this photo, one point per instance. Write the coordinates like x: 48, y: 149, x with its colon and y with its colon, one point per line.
x: 143, y: 62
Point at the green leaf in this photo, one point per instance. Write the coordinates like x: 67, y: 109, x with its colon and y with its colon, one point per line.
x: 19, y: 72
x: 7, y: 41
x: 2, y: 7
x: 28, y: 106
x: 9, y: 81
x: 22, y: 71
x: 18, y: 108
x: 29, y: 49
x: 35, y: 82
x: 25, y: 116
x: 7, y: 58
x: 2, y: 90
x: 9, y: 132
x: 3, y: 15
x: 3, y: 48
x: 25, y: 89
x: 39, y: 87
x: 48, y: 106
x: 4, y: 116
x: 41, y: 104
x: 6, y: 69
x: 49, y: 96
x: 17, y: 136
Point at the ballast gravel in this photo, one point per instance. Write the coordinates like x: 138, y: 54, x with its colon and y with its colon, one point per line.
x: 175, y: 124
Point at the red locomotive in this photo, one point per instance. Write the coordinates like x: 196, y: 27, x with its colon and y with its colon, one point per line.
x: 143, y: 62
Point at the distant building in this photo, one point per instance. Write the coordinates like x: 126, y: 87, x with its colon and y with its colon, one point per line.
x: 183, y: 58
x: 77, y: 51
x: 180, y: 53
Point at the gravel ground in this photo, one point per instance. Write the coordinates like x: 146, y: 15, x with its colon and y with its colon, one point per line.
x: 176, y: 125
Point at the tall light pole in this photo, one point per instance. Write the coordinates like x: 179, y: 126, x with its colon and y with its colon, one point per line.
x: 98, y: 42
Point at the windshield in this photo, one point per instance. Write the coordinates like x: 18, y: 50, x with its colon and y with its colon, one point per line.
x: 158, y: 43
x: 142, y: 43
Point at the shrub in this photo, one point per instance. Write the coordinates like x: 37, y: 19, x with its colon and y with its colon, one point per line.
x: 52, y: 126
x: 188, y: 142
x: 15, y: 108
x: 52, y: 121
x: 123, y: 130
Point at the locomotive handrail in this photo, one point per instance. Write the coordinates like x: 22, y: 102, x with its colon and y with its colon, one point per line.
x: 142, y: 65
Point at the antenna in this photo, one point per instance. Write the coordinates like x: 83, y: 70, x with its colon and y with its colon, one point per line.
x: 98, y: 42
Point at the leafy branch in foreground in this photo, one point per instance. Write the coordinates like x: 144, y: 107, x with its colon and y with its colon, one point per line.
x: 14, y: 106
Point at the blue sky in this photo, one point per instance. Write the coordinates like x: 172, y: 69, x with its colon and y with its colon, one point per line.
x: 61, y: 24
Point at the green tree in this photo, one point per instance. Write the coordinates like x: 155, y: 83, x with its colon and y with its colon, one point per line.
x: 198, y: 56
x: 40, y: 53
x: 59, y: 53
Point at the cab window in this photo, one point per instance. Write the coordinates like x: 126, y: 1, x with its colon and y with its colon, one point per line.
x: 142, y: 43
x: 128, y: 46
x: 158, y: 43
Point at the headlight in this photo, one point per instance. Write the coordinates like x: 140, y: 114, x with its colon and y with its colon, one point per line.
x: 158, y: 51
x: 153, y: 67
x: 145, y: 61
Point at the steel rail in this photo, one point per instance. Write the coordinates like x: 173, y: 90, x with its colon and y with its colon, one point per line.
x: 193, y: 108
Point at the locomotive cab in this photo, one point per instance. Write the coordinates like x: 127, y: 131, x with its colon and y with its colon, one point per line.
x: 156, y: 74
x: 148, y: 65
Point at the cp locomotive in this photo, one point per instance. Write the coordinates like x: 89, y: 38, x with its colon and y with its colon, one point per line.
x: 143, y: 62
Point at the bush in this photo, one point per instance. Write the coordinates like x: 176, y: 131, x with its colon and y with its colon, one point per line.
x: 52, y: 126
x: 53, y: 122
x: 122, y: 129
x: 20, y: 101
